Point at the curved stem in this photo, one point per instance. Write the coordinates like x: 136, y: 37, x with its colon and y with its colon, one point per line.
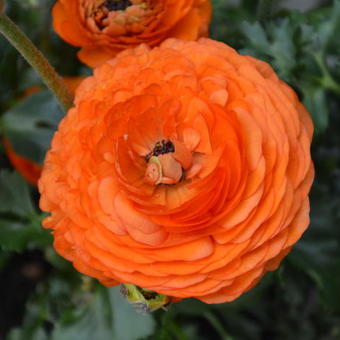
x: 264, y: 9
x: 35, y: 58
x: 327, y: 80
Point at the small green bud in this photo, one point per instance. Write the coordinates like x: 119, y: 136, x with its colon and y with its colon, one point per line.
x: 144, y: 300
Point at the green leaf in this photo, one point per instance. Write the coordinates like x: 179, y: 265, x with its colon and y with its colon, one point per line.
x: 318, y: 253
x: 20, y: 225
x: 274, y: 43
x: 31, y: 123
x: 282, y: 49
x: 91, y: 324
x: 108, y: 316
x: 316, y: 103
x: 328, y: 28
x: 124, y: 316
x: 14, y: 195
x: 256, y: 35
x: 16, y: 334
x: 12, y: 236
x: 17, y: 236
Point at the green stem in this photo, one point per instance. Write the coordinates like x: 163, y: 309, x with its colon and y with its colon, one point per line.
x: 264, y: 9
x: 35, y: 58
x: 327, y: 80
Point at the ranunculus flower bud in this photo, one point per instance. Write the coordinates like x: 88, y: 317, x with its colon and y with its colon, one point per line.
x: 102, y: 28
x: 144, y: 300
x: 184, y: 170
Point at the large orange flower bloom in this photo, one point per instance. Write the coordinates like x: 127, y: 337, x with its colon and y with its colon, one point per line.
x: 184, y: 170
x: 102, y: 28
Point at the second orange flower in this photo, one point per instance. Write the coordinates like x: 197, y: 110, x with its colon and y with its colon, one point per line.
x: 102, y: 28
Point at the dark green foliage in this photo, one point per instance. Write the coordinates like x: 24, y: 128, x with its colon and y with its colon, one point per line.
x: 303, y: 48
x: 93, y: 313
x: 20, y: 224
x: 39, y: 115
x: 301, y: 300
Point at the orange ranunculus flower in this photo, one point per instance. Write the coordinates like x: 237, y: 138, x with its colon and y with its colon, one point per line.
x: 102, y: 28
x: 184, y: 170
x: 28, y: 169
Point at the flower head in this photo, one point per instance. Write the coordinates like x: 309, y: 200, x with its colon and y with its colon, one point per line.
x: 102, y: 28
x: 184, y: 170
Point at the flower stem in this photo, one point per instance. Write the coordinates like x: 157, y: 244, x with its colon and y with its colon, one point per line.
x: 35, y: 58
x: 327, y: 79
x: 264, y: 9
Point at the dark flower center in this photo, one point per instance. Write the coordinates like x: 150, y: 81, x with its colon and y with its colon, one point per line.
x: 162, y: 147
x: 117, y: 5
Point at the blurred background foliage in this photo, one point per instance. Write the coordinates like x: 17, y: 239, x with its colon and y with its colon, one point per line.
x: 43, y: 297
